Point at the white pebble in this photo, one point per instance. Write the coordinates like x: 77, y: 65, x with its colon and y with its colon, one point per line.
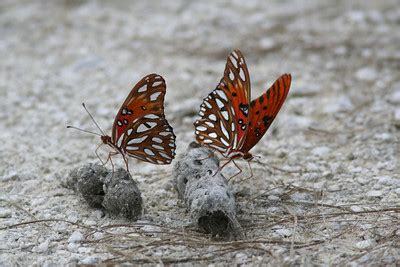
x: 365, y: 244
x: 73, y: 247
x: 355, y: 169
x: 273, y: 198
x: 75, y: 237
x: 366, y: 74
x: 284, y: 232
x: 383, y: 136
x: 98, y: 235
x: 43, y: 247
x: 374, y: 193
x: 5, y: 213
x: 356, y: 208
x: 321, y: 151
x: 91, y: 260
x: 387, y: 180
x: 267, y: 43
x: 362, y: 180
x: 397, y: 191
x: 397, y: 115
x: 395, y: 96
x: 341, y: 104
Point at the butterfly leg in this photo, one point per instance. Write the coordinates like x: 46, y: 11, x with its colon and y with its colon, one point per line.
x: 220, y: 168
x: 126, y: 163
x: 251, y: 172
x: 240, y: 170
x: 112, y: 164
x: 97, y: 154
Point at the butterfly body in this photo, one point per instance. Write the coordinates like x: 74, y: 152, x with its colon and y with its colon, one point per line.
x: 229, y: 121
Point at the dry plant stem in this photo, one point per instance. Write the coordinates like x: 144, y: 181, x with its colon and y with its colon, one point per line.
x: 206, y: 193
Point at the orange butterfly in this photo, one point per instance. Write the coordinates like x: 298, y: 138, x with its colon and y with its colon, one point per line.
x: 140, y: 129
x: 232, y: 124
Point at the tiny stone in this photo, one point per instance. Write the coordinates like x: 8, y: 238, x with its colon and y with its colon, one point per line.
x: 397, y: 116
x: 383, y: 136
x: 395, y: 96
x: 273, y: 198
x: 397, y: 191
x: 43, y: 247
x: 321, y: 151
x: 284, y: 232
x: 75, y: 237
x: 362, y: 180
x: 365, y: 244
x: 334, y: 187
x: 387, y: 180
x: 356, y: 208
x: 73, y: 247
x: 366, y: 74
x: 91, y: 260
x: 83, y: 250
x: 342, y: 104
x: 98, y: 235
x: 5, y: 213
x: 355, y: 169
x: 374, y: 193
x: 267, y: 43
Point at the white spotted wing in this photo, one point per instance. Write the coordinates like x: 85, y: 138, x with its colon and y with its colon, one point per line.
x: 140, y: 129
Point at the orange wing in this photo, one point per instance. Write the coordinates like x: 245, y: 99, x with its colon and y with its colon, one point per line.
x: 264, y: 109
x: 140, y: 128
x: 224, y: 112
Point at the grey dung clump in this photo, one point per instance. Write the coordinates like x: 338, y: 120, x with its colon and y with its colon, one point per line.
x: 88, y: 180
x: 207, y: 196
x: 122, y: 196
x: 116, y: 191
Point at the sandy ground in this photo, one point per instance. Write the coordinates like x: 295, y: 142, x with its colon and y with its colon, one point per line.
x: 329, y: 190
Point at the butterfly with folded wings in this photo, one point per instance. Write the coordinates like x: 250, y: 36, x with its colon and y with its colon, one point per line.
x: 230, y: 122
x: 140, y: 129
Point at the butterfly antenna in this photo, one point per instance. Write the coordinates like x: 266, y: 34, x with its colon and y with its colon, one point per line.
x: 95, y: 122
x: 82, y: 130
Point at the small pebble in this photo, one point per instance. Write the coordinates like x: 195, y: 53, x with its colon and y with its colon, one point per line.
x: 43, y: 247
x: 366, y: 74
x: 364, y: 244
x: 284, y: 232
x: 397, y: 116
x: 273, y: 198
x: 91, y: 260
x: 321, y: 151
x: 355, y: 169
x: 75, y: 237
x: 341, y: 104
x: 267, y: 43
x: 374, y: 193
x: 73, y: 247
x: 387, y: 180
x: 5, y: 213
x: 356, y: 208
x: 98, y: 236
x: 362, y: 180
x: 394, y: 98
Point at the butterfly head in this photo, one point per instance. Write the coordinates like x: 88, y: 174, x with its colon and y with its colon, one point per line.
x: 106, y: 139
x: 247, y: 156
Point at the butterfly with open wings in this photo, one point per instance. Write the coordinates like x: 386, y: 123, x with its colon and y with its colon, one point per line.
x: 232, y: 124
x: 140, y: 129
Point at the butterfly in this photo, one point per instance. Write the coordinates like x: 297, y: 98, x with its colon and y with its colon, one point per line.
x: 140, y: 129
x: 229, y: 122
